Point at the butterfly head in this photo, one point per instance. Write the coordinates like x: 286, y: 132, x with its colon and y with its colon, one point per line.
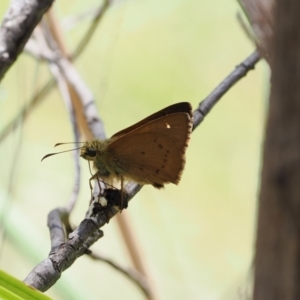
x: 88, y: 153
x: 89, y: 150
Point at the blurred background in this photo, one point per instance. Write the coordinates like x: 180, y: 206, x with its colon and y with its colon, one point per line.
x: 197, y: 238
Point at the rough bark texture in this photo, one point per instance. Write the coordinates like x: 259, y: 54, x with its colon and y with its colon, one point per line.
x: 277, y: 265
x: 261, y: 16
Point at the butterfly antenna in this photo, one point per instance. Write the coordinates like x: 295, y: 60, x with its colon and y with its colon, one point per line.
x: 99, y: 179
x: 59, y: 144
x: 51, y: 154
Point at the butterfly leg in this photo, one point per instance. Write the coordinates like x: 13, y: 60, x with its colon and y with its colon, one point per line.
x: 97, y: 178
x: 91, y: 187
x: 122, y: 192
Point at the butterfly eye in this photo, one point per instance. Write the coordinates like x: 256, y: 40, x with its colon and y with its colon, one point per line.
x: 91, y: 152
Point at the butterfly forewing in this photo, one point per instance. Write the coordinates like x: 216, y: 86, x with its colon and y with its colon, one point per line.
x: 182, y: 107
x: 157, y: 149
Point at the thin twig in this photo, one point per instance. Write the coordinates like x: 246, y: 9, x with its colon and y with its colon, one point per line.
x: 70, y: 22
x: 86, y: 97
x: 56, y: 32
x: 134, y: 251
x: 67, y: 97
x: 240, y: 71
x: 133, y: 275
x: 87, y: 37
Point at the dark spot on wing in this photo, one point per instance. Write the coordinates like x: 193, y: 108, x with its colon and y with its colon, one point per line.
x: 142, y: 152
x: 160, y: 146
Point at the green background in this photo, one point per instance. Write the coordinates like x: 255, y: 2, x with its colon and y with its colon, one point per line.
x: 196, y: 239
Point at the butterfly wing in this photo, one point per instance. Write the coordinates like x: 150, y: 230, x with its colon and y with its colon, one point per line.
x: 153, y: 153
x: 182, y: 107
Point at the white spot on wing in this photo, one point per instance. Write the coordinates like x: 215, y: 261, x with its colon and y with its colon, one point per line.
x: 168, y: 125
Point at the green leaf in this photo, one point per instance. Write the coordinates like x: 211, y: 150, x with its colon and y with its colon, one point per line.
x: 14, y: 289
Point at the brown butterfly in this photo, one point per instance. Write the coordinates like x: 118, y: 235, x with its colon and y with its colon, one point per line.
x: 151, y: 151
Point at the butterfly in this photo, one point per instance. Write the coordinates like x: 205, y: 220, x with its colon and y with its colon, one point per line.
x: 151, y: 151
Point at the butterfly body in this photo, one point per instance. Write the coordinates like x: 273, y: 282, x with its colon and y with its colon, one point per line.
x: 95, y: 151
x: 151, y: 151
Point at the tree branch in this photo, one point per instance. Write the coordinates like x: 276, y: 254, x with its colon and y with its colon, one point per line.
x: 209, y: 102
x: 16, y: 28
x: 277, y: 268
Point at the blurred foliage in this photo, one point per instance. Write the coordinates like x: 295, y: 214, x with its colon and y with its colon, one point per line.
x: 13, y: 289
